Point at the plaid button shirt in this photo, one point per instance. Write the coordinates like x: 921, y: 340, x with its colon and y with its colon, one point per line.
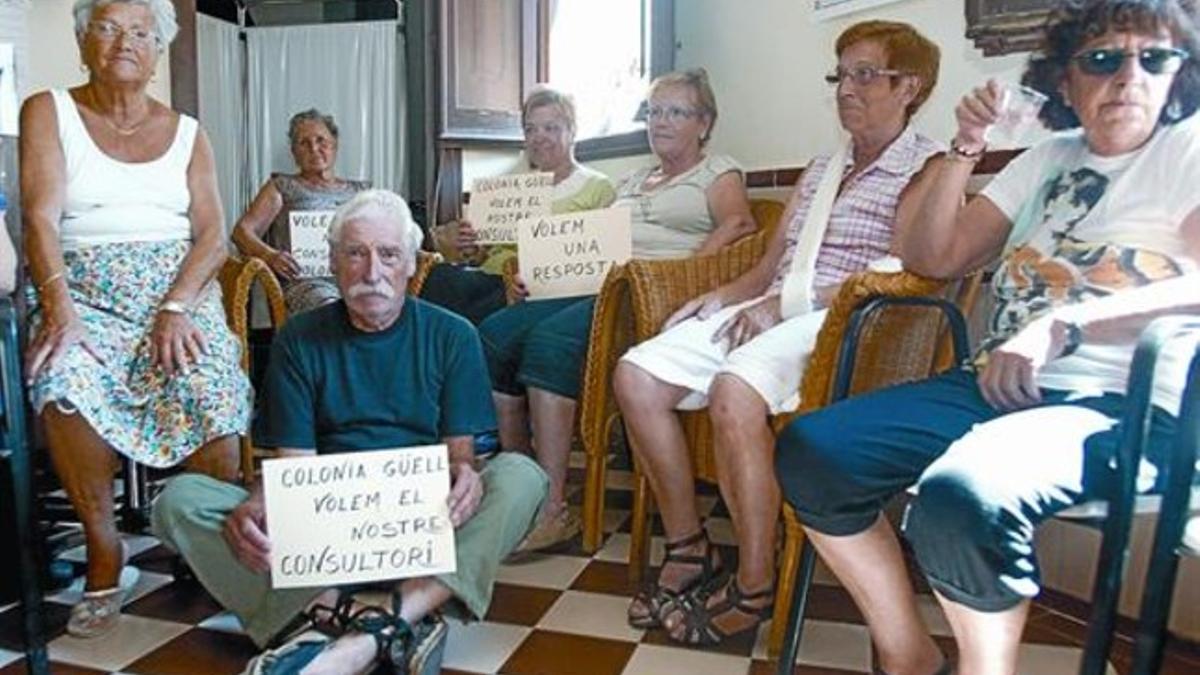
x: 860, y: 225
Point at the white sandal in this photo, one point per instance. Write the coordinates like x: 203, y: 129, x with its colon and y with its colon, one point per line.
x: 97, y: 613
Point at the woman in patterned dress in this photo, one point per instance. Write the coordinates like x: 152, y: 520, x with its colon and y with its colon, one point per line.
x: 263, y: 232
x: 129, y: 355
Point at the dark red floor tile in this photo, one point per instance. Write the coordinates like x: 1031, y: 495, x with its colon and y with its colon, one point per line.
x: 601, y: 576
x: 197, y: 651
x: 551, y: 653
x: 521, y: 605
x: 182, y: 602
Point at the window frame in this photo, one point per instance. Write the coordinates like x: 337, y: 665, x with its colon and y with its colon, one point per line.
x: 534, y: 60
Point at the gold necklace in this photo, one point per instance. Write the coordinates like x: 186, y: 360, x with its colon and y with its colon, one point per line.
x: 121, y: 131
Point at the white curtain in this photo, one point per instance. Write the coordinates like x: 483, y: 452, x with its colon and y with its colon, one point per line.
x: 353, y: 71
x: 222, y: 108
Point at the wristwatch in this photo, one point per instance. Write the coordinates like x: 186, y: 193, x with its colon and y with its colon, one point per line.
x: 172, y: 307
x: 1074, y: 339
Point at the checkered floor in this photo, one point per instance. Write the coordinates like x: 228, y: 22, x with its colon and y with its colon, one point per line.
x: 557, y: 614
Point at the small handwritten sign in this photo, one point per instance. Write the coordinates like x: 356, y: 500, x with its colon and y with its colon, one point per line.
x: 359, y: 517
x: 499, y: 205
x: 570, y: 254
x: 310, y: 241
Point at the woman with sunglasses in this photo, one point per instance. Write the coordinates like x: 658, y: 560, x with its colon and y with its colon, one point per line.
x: 1097, y: 231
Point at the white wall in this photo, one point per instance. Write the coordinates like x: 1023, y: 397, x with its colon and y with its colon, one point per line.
x: 54, y: 57
x: 766, y: 60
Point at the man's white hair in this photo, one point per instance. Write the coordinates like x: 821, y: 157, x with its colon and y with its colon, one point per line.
x: 165, y: 26
x: 383, y: 205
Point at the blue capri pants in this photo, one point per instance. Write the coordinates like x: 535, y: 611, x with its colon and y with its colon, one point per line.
x: 538, y: 343
x: 985, y: 479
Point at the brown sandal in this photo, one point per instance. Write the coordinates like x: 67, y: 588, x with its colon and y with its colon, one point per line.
x: 699, y: 625
x: 659, y: 600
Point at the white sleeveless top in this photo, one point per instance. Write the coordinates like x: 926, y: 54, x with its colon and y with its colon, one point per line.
x: 108, y: 201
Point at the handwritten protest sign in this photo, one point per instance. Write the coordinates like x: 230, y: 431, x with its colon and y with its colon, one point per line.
x: 498, y: 205
x: 568, y: 255
x: 359, y: 517
x: 310, y: 244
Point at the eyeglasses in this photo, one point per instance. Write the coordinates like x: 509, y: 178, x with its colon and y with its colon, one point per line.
x: 359, y: 254
x: 1154, y: 60
x: 109, y: 32
x: 861, y: 75
x: 549, y: 129
x: 671, y: 113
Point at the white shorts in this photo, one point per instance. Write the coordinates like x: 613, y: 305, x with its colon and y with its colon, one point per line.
x: 772, y: 363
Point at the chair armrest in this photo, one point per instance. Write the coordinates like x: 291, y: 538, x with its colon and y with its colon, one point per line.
x: 237, y: 277
x: 425, y: 263
x: 1138, y: 404
x: 659, y: 287
x: 817, y: 387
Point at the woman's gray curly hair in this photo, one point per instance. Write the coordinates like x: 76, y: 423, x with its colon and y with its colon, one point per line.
x: 311, y: 115
x: 165, y: 26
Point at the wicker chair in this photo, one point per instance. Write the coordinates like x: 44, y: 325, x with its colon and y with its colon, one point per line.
x: 897, y: 344
x: 237, y: 278
x: 656, y: 289
x: 663, y: 286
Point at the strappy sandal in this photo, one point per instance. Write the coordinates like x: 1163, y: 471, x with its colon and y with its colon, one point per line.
x: 410, y: 649
x: 699, y: 620
x: 658, y: 599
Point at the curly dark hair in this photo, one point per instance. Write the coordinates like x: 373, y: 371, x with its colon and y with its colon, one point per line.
x: 1075, y: 22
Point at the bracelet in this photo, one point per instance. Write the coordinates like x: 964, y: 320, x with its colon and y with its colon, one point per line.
x: 172, y: 307
x: 957, y: 152
x: 41, y: 288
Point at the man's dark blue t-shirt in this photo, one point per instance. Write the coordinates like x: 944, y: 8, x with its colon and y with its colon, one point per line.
x: 333, y: 387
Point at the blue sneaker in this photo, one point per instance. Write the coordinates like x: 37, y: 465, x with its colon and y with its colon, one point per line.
x: 291, y: 657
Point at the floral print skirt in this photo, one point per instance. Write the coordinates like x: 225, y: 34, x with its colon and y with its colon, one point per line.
x: 132, y: 404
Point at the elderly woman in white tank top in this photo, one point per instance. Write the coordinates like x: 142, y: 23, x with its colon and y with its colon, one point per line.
x: 129, y: 354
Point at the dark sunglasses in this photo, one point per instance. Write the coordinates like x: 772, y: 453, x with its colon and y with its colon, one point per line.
x: 1154, y: 60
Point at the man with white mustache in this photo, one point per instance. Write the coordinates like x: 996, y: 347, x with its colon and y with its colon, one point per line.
x: 377, y: 369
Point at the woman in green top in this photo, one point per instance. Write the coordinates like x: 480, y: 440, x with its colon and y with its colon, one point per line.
x: 476, y: 289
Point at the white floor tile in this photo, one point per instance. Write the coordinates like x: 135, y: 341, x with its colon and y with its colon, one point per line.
x: 594, y: 614
x: 481, y: 646
x: 826, y: 643
x: 7, y: 657
x: 543, y: 571
x: 616, y: 549
x: 1051, y: 660
x: 133, y: 638
x: 226, y: 622
x: 659, y: 660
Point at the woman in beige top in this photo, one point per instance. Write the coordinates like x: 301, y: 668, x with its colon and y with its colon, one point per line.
x: 692, y: 203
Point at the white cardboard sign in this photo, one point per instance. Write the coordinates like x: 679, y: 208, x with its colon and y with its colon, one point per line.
x: 359, y: 517
x: 310, y: 241
x: 499, y: 205
x: 570, y: 254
